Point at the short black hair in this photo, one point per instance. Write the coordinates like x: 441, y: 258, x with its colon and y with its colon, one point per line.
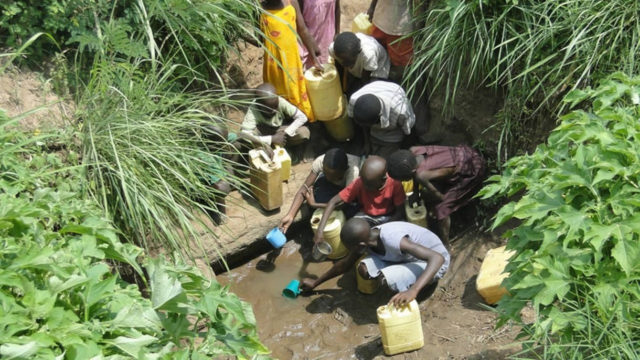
x: 401, y: 165
x: 366, y: 110
x: 335, y: 159
x: 346, y: 43
x: 352, y: 230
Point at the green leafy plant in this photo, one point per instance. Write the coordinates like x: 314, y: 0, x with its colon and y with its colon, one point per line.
x: 60, y: 296
x: 577, y: 257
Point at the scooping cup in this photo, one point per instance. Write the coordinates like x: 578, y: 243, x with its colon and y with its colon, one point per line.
x: 276, y: 238
x: 321, y: 250
x: 292, y: 290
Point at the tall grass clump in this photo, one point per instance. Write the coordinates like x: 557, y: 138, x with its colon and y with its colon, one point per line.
x: 146, y: 121
x: 146, y: 145
x: 577, y: 245
x: 535, y: 51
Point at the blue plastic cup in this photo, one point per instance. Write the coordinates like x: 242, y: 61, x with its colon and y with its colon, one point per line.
x: 276, y: 238
x: 292, y: 290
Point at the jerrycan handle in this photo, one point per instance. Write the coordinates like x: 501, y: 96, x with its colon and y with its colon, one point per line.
x: 265, y: 157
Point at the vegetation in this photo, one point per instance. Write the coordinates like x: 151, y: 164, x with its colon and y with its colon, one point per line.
x: 535, y: 51
x: 147, y: 155
x: 577, y: 246
x: 132, y: 171
x: 60, y: 295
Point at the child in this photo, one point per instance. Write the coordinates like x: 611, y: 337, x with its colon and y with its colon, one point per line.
x: 380, y: 198
x: 384, y: 111
x: 392, y: 22
x: 402, y: 255
x: 322, y: 18
x: 450, y: 175
x: 273, y: 120
x: 329, y: 174
x: 362, y: 56
x: 282, y: 66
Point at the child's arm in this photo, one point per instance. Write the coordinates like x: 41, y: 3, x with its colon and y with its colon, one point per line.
x: 332, y: 204
x: 299, y: 119
x: 434, y: 262
x: 306, y: 38
x: 425, y: 177
x: 372, y: 9
x: 297, y: 202
x: 337, y: 21
x: 340, y: 267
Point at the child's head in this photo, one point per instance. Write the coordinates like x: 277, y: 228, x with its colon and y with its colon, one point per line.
x: 266, y: 99
x: 334, y: 165
x: 374, y: 173
x: 402, y: 165
x: 215, y: 134
x: 355, y: 233
x: 346, y: 48
x: 366, y: 110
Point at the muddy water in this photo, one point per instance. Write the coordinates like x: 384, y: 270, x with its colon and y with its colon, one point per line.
x: 334, y: 322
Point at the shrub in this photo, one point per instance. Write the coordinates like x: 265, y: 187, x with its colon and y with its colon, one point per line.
x: 577, y: 257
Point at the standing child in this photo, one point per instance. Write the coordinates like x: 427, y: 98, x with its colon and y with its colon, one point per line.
x: 281, y: 22
x: 322, y: 18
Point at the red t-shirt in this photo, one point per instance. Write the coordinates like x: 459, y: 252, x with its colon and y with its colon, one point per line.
x: 377, y: 202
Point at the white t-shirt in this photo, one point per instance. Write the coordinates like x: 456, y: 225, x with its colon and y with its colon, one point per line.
x: 397, y: 117
x: 393, y: 17
x: 353, y: 168
x: 373, y: 57
x: 391, y: 233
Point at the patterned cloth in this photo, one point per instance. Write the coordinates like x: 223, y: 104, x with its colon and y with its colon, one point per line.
x: 466, y: 180
x: 320, y: 17
x: 282, y: 66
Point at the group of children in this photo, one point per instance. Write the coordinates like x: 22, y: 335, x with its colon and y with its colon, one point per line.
x: 367, y: 186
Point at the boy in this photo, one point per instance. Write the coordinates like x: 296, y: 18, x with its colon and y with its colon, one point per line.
x: 386, y: 115
x: 362, y: 56
x: 402, y: 255
x: 329, y: 174
x: 267, y: 116
x: 380, y: 198
x: 449, y: 175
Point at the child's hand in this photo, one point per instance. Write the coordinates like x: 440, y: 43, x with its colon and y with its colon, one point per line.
x: 403, y: 298
x: 307, y: 284
x: 279, y: 138
x: 285, y: 223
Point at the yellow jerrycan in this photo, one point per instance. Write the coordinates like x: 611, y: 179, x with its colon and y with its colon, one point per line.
x: 365, y: 286
x: 489, y: 280
x: 266, y: 184
x: 416, y: 213
x: 331, y: 231
x: 325, y: 92
x: 281, y: 156
x: 341, y: 128
x: 361, y: 24
x: 401, y: 328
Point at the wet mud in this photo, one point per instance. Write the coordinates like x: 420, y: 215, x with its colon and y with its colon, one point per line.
x: 337, y: 322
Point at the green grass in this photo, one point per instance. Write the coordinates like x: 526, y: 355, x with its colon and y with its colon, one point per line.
x: 535, y: 50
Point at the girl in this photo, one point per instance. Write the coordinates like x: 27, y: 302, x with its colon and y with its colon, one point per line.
x: 282, y: 66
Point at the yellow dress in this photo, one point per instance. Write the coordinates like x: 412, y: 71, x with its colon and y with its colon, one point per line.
x: 279, y: 26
